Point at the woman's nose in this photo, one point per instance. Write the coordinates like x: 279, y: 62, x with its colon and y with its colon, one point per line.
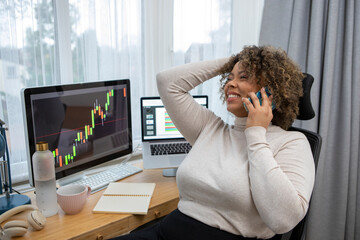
x: 230, y: 83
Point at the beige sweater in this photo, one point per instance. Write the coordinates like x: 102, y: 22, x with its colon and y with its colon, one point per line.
x: 253, y: 182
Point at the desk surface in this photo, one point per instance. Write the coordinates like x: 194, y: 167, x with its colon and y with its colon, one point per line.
x: 87, y: 225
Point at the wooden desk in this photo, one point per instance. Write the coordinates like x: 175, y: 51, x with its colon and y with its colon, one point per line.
x: 87, y: 225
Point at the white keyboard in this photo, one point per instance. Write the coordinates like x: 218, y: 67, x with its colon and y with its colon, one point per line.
x: 100, y: 180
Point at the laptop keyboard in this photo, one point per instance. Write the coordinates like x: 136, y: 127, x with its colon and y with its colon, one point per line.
x: 170, y: 148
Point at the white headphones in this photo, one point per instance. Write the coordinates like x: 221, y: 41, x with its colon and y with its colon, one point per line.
x: 18, y: 228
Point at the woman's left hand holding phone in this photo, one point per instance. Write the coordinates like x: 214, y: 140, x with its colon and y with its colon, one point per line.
x: 259, y: 115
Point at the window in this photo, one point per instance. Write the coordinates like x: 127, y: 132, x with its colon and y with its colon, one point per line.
x: 46, y: 42
x: 11, y: 72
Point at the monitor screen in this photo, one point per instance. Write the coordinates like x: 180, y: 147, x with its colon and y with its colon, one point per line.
x: 84, y: 124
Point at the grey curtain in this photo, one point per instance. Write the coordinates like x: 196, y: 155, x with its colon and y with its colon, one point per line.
x: 323, y: 36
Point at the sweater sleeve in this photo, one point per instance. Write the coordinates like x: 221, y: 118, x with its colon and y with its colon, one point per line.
x: 175, y: 83
x: 281, y: 184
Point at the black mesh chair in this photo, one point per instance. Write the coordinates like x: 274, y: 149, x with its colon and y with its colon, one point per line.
x: 306, y: 112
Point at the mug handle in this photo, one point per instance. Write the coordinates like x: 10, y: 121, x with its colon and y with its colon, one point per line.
x: 88, y: 190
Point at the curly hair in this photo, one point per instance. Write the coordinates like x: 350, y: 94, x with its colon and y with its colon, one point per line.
x: 272, y: 68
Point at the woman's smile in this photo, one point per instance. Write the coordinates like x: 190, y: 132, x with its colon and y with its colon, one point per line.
x: 231, y: 96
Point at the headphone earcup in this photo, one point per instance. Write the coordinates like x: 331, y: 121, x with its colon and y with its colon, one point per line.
x: 15, y: 232
x: 15, y: 228
x: 36, y: 220
x: 16, y: 223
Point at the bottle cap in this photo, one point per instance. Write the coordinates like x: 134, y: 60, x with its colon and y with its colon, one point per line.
x: 42, y: 146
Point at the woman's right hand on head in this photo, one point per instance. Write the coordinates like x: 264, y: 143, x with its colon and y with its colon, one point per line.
x: 259, y: 115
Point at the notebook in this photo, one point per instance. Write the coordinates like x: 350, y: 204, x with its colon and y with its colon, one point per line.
x: 157, y: 128
x: 130, y: 198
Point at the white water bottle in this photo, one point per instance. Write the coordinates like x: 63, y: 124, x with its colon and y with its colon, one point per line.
x: 44, y: 176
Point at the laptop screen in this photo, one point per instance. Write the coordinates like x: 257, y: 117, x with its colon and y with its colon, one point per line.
x: 155, y: 121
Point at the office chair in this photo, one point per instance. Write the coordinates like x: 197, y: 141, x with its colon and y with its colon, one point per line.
x: 306, y: 112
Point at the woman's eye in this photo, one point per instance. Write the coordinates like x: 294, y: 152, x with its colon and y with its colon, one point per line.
x: 243, y: 77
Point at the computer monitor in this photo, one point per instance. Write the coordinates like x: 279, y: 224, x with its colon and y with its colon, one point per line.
x: 84, y: 124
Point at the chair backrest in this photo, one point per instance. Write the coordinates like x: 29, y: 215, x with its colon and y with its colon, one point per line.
x: 306, y: 112
x: 315, y: 141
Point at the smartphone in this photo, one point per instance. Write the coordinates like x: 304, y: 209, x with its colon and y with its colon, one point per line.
x: 258, y: 95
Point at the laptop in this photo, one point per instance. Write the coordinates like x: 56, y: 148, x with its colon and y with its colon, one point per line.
x: 163, y: 146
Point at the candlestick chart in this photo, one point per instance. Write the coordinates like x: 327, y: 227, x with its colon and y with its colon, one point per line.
x: 82, y: 126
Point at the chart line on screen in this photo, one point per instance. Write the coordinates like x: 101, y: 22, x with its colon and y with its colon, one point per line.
x: 84, y: 133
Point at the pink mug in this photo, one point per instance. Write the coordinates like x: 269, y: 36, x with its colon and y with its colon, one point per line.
x: 72, y: 197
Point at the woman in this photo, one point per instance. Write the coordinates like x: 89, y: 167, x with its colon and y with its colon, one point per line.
x: 249, y: 180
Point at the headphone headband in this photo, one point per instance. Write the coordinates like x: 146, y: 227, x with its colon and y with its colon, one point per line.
x: 16, y: 210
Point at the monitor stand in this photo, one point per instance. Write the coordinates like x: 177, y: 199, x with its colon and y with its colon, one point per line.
x: 169, y: 172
